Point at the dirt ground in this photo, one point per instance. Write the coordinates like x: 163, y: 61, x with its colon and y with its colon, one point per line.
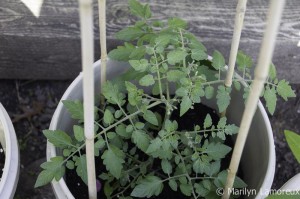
x: 31, y: 104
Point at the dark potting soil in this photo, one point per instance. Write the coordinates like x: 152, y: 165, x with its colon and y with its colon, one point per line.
x: 2, y: 160
x: 187, y: 122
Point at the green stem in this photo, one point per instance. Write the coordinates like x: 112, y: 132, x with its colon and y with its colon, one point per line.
x: 158, y: 76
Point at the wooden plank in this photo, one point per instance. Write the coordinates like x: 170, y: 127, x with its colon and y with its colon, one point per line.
x: 45, y: 47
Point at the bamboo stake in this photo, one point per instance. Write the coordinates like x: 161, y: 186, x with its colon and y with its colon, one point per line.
x: 102, y: 29
x: 87, y: 53
x: 238, y: 25
x: 261, y: 73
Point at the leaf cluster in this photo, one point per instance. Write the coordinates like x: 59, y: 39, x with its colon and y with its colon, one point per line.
x: 142, y: 149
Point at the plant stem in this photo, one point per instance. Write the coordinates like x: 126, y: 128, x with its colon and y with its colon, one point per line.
x: 102, y: 30
x: 261, y: 73
x: 87, y: 50
x: 158, y: 76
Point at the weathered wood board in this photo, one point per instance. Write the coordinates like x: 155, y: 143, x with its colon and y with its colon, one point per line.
x: 48, y: 47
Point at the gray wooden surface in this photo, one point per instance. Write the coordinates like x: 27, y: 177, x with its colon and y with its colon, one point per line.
x: 48, y: 47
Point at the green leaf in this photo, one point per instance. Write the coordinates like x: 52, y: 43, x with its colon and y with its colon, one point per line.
x: 166, y: 166
x: 174, y: 75
x: 207, y: 121
x: 58, y: 138
x: 173, y: 184
x: 81, y: 168
x: 148, y: 187
x: 122, y: 53
x: 217, y: 150
x: 271, y: 99
x: 121, y: 130
x: 138, y: 53
x: 177, y: 23
x: 272, y: 71
x: 223, y: 98
x: 129, y: 34
x: 139, y: 10
x: 75, y: 108
x: 214, y: 168
x: 163, y: 40
x: 111, y: 93
x: 243, y: 61
x: 200, y: 166
x: 154, y: 145
x: 218, y: 61
x: 108, y: 117
x: 139, y: 65
x: 70, y: 164
x: 78, y: 133
x: 147, y: 80
x: 220, y: 181
x: 231, y: 129
x: 209, y: 92
x: 113, y: 159
x: 185, y: 105
x: 52, y: 169
x: 222, y: 123
x: 285, y: 90
x: 186, y: 189
x: 293, y: 140
x: 141, y: 139
x: 176, y: 56
x: 150, y: 117
x: 198, y: 54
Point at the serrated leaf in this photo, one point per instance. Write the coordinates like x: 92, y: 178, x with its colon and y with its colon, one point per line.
x: 207, y: 121
x: 271, y: 99
x: 177, y: 23
x: 121, y: 130
x: 166, y: 166
x: 185, y: 105
x: 285, y: 90
x: 52, y: 169
x: 111, y: 93
x: 186, y: 189
x: 173, y: 184
x: 154, y: 145
x: 139, y: 65
x: 129, y: 34
x: 150, y: 117
x: 176, y: 56
x: 272, y: 71
x: 147, y: 80
x: 78, y: 133
x: 58, y: 138
x: 243, y: 61
x: 223, y: 98
x: 70, y: 164
x: 217, y: 150
x: 75, y: 108
x: 174, y: 75
x: 141, y: 139
x: 139, y: 10
x: 81, y: 168
x: 138, y: 53
x: 198, y: 54
x: 214, y: 168
x: 209, y: 92
x: 218, y: 61
x: 122, y: 53
x: 231, y: 129
x: 113, y: 159
x: 200, y: 166
x: 293, y: 140
x: 108, y: 117
x: 222, y: 123
x: 148, y: 187
x: 220, y: 181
